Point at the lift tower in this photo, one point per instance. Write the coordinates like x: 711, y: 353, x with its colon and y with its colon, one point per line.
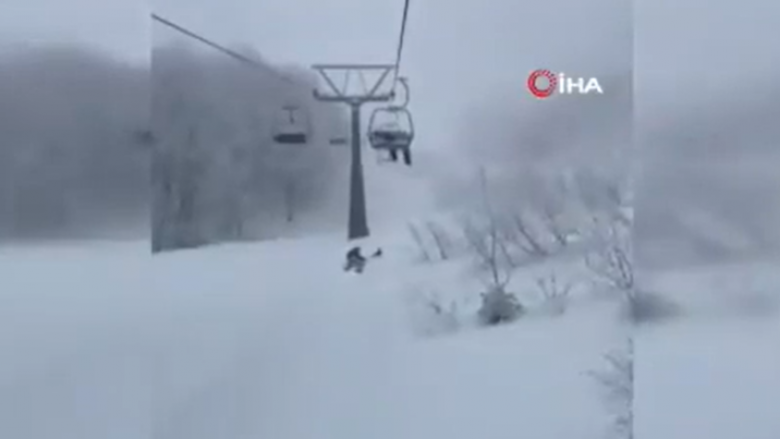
x: 358, y: 217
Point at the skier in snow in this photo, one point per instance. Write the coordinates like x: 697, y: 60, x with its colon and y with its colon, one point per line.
x: 356, y: 261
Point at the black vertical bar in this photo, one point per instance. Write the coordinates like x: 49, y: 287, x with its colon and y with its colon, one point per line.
x: 358, y: 218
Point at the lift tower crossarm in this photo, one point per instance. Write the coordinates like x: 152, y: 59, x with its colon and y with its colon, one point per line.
x: 386, y: 69
x: 350, y: 99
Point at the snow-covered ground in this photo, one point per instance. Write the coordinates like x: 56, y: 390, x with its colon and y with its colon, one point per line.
x: 73, y: 345
x: 269, y: 340
x: 273, y: 340
x: 715, y: 371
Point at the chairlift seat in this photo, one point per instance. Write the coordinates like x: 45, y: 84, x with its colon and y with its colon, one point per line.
x: 390, y: 139
x: 294, y: 129
x: 291, y: 138
x: 394, y: 134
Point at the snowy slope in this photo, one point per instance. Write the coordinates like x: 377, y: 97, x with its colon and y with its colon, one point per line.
x: 73, y: 341
x: 334, y: 356
x: 268, y: 340
x: 716, y: 372
x: 272, y: 340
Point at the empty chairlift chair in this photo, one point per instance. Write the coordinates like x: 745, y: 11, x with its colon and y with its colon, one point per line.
x: 293, y: 129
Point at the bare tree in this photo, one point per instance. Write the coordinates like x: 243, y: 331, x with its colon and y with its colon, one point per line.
x: 522, y: 236
x: 554, y: 292
x: 612, y: 264
x: 434, y: 242
x: 555, y: 211
x: 432, y: 314
x: 617, y: 384
x: 490, y: 249
x: 611, y: 261
x: 422, y: 246
x: 248, y: 185
x: 441, y: 239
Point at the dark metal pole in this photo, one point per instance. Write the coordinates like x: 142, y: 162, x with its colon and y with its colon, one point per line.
x: 357, y: 224
x: 358, y: 218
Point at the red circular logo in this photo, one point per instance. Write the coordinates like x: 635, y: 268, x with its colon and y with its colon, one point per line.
x: 542, y: 92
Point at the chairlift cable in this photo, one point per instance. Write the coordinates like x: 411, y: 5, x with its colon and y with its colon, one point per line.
x: 223, y: 49
x: 399, y: 52
x: 296, y: 138
x: 400, y: 49
x: 401, y: 42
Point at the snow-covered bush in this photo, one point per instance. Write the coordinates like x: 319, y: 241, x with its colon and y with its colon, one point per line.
x: 611, y: 263
x: 499, y: 306
x: 431, y: 314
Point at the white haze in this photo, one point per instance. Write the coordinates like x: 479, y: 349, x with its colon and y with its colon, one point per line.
x: 217, y: 172
x: 71, y: 165
x: 95, y: 101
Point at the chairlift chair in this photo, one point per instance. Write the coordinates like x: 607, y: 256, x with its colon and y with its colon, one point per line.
x: 292, y: 130
x: 395, y: 134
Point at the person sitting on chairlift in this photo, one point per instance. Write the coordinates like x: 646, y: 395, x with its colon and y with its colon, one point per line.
x: 391, y: 136
x: 406, y: 152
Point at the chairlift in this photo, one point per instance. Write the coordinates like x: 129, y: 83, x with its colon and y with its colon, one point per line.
x: 392, y: 129
x: 292, y: 129
x: 339, y: 135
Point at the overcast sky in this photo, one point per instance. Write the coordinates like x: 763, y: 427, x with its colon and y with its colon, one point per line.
x: 458, y: 51
x: 118, y: 27
x: 478, y: 43
x: 703, y: 68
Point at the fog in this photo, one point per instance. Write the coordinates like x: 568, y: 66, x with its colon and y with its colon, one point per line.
x: 73, y: 98
x: 71, y: 162
x: 689, y: 101
x: 707, y: 106
x: 114, y: 127
x: 116, y: 28
x: 690, y: 110
x: 218, y: 174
